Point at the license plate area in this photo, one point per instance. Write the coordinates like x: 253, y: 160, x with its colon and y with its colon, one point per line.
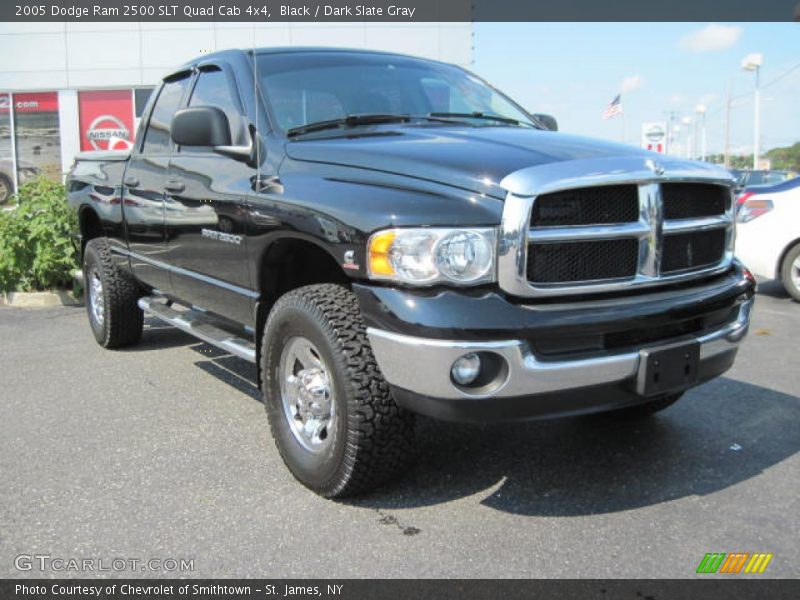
x: 670, y: 368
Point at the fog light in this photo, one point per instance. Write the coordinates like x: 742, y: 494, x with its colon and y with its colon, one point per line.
x: 466, y: 369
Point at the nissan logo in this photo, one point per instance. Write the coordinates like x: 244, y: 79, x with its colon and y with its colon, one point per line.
x: 655, y: 134
x: 107, y: 132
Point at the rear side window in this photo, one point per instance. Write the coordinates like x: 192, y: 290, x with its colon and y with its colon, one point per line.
x: 141, y: 97
x: 156, y: 138
x: 213, y: 89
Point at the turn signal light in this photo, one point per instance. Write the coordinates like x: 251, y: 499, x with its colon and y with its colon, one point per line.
x: 379, y: 246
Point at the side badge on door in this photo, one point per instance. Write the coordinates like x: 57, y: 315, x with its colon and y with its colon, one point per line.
x: 228, y: 238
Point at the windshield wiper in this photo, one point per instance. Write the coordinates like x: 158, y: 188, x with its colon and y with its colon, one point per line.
x: 355, y: 120
x: 480, y: 115
x: 348, y: 121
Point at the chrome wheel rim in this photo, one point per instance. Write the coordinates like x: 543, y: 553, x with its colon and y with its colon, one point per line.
x: 795, y: 273
x: 97, y: 303
x: 307, y: 395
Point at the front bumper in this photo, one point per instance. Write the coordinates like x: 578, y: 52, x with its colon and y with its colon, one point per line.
x: 423, y: 365
x: 532, y: 385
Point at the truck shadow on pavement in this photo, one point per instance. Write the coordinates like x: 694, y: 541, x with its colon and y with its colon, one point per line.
x: 720, y: 434
x: 234, y: 371
x: 157, y: 335
x: 773, y: 289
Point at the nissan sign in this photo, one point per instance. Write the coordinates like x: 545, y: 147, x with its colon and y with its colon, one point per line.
x: 106, y: 119
x: 654, y: 137
x: 107, y: 132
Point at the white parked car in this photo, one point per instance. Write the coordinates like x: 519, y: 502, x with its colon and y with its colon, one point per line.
x: 768, y: 233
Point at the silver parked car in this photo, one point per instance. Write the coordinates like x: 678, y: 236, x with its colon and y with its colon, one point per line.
x: 27, y: 171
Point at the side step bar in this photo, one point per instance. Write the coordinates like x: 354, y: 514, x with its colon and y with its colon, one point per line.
x: 195, y: 323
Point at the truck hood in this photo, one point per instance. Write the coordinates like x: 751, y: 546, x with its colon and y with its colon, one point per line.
x: 472, y: 158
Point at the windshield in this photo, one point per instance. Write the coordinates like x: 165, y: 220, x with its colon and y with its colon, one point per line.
x: 308, y: 87
x: 765, y: 177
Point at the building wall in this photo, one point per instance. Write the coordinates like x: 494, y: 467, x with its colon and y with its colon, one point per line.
x: 54, y: 56
x: 72, y: 59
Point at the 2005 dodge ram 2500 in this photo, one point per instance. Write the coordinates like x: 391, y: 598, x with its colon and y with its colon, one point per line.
x: 385, y: 235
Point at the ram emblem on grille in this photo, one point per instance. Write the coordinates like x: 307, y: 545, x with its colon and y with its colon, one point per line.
x: 654, y: 166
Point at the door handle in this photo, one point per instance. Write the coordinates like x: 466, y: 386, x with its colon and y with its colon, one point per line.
x: 131, y: 181
x: 174, y: 185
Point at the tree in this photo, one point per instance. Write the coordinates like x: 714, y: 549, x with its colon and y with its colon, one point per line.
x: 785, y: 158
x: 780, y: 158
x: 743, y: 161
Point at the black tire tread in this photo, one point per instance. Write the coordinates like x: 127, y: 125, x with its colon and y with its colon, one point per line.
x: 786, y: 276
x: 124, y: 319
x: 380, y: 433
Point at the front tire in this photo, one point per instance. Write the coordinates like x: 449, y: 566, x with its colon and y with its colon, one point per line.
x: 790, y: 272
x: 111, y: 296
x: 332, y: 415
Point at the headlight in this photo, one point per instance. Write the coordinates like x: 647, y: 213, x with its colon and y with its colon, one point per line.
x: 431, y: 256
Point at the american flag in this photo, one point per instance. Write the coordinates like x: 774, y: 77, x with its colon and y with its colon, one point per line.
x: 614, y: 107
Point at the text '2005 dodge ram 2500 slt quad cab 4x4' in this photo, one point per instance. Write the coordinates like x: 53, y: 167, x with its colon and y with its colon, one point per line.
x: 384, y: 235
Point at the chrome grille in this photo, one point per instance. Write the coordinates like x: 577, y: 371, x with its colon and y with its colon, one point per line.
x: 683, y: 227
x: 582, y: 261
x: 692, y: 200
x: 587, y: 206
x: 694, y: 250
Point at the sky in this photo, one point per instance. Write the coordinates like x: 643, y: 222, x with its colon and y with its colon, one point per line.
x: 573, y: 70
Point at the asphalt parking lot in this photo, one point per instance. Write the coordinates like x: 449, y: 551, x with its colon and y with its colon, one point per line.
x: 163, y: 451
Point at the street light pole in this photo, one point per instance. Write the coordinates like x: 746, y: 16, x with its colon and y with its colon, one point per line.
x: 728, y: 128
x: 757, y: 120
x: 687, y: 122
x: 701, y: 114
x: 703, y: 146
x: 753, y: 62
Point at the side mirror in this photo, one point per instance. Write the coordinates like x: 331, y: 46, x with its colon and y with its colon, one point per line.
x: 548, y: 121
x: 200, y: 126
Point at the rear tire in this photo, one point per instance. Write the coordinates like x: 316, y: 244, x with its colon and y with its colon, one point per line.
x: 790, y: 272
x: 111, y: 296
x: 332, y: 415
x: 648, y: 409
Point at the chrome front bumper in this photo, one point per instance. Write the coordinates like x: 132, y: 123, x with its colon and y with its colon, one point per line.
x: 422, y: 365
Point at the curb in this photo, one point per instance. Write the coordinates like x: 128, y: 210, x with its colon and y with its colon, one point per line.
x: 39, y: 299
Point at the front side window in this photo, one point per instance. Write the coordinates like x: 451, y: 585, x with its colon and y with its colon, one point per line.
x: 309, y: 87
x: 141, y: 97
x: 156, y: 139
x: 213, y: 89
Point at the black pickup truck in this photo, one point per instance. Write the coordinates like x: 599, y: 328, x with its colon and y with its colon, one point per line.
x: 384, y: 235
